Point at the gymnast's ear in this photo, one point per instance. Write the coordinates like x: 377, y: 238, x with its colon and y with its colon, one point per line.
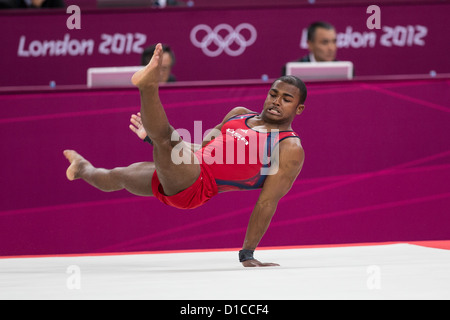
x: 300, y: 109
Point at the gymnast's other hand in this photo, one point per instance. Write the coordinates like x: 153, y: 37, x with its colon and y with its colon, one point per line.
x: 137, y: 127
x: 253, y: 263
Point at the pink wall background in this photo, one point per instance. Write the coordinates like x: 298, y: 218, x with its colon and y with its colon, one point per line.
x: 248, y: 3
x: 377, y: 169
x: 410, y: 41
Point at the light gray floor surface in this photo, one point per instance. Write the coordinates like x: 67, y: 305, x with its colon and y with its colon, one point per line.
x: 395, y: 271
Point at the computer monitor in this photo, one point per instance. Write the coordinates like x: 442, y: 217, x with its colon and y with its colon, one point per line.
x: 333, y: 70
x: 111, y: 76
x: 124, y: 3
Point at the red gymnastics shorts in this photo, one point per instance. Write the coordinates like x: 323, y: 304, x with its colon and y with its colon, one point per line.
x: 203, y: 189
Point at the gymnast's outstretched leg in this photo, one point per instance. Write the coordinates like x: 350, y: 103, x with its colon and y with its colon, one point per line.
x: 135, y: 178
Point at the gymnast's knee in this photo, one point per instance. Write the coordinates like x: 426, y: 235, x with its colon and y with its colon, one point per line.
x: 165, y: 138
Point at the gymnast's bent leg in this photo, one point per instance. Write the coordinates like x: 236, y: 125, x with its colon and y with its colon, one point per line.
x: 137, y: 177
x: 173, y: 177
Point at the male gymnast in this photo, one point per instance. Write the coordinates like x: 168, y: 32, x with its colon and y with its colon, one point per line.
x: 201, y: 172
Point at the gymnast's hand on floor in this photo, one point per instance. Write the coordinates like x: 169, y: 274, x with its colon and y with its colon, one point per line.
x: 137, y: 127
x: 255, y: 263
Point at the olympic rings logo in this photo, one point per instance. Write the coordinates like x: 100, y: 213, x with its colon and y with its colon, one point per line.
x: 222, y: 43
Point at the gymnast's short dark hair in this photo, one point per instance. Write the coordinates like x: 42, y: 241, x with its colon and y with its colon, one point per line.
x: 293, y: 80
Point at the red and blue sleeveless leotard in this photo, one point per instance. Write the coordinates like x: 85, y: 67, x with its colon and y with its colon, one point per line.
x: 239, y: 158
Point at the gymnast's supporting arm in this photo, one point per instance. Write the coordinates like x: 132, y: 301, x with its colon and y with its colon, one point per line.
x: 276, y: 186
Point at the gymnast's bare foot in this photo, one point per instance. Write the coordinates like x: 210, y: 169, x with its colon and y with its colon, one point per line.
x: 149, y: 75
x: 77, y: 164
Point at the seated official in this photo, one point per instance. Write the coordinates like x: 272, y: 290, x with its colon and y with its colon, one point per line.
x: 32, y: 4
x: 322, y: 46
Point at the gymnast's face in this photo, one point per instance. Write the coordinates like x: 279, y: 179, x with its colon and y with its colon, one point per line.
x: 282, y: 103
